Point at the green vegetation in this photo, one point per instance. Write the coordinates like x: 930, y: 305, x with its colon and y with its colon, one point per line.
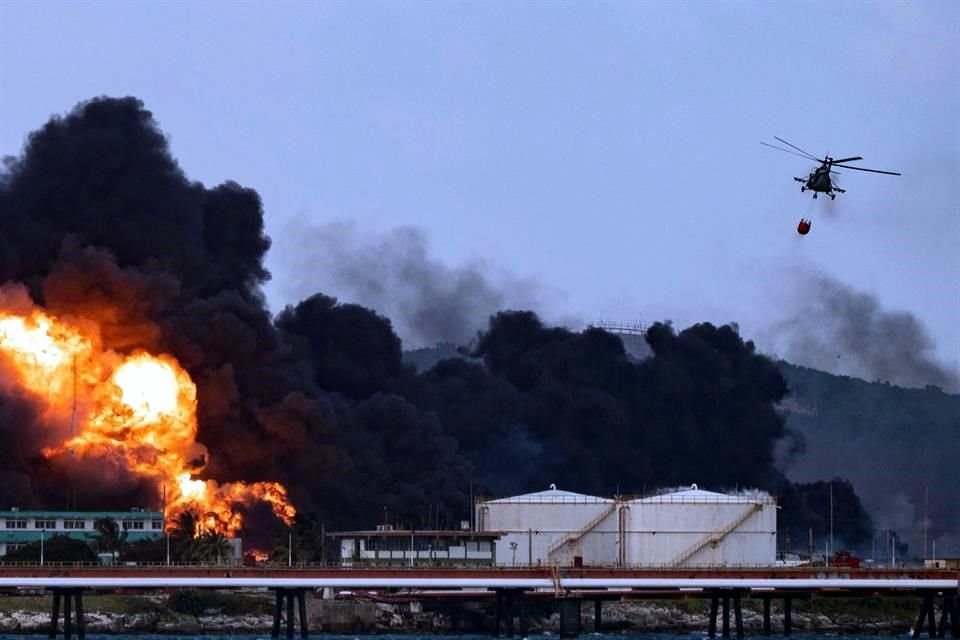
x: 55, y: 549
x: 900, y: 609
x: 116, y: 604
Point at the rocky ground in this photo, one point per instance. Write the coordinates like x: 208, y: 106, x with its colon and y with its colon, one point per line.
x: 251, y: 614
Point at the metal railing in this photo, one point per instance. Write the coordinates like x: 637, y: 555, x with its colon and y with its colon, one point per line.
x: 576, y: 535
x: 716, y: 537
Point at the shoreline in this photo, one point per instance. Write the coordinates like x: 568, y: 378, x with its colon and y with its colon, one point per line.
x: 191, y: 613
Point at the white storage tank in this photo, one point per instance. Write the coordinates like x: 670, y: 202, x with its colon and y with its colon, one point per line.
x: 693, y: 527
x: 548, y: 527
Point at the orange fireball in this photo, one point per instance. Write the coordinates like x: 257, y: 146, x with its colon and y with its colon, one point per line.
x: 139, y: 407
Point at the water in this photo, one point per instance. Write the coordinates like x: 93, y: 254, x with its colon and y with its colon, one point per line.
x: 583, y: 636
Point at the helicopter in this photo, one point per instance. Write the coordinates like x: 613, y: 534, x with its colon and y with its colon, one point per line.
x: 819, y: 180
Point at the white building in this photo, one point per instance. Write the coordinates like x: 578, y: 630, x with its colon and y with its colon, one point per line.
x: 690, y: 527
x: 21, y: 527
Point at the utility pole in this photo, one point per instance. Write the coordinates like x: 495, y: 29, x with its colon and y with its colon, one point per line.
x: 73, y: 423
x: 166, y: 531
x: 831, y: 518
x: 926, y: 503
x: 42, y: 531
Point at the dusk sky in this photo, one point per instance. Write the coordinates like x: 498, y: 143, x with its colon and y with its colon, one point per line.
x: 590, y: 160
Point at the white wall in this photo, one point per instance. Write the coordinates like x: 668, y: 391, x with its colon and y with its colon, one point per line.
x: 534, y: 526
x: 660, y: 532
x: 653, y: 531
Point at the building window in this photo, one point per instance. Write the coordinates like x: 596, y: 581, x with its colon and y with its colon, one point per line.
x: 156, y: 525
x: 16, y: 524
x: 132, y: 524
x: 74, y: 524
x: 44, y: 524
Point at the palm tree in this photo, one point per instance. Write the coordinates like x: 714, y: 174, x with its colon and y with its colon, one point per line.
x: 185, y: 525
x: 211, y: 548
x: 183, y: 529
x: 110, y: 537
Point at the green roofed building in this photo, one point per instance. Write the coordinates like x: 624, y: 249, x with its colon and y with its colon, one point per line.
x: 18, y: 528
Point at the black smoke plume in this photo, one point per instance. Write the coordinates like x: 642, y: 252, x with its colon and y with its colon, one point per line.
x: 98, y: 220
x: 393, y: 273
x: 840, y: 330
x: 587, y: 417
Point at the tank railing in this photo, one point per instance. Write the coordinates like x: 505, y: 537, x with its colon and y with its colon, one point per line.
x: 720, y: 499
x: 716, y: 537
x: 547, y: 500
x: 576, y: 535
x: 356, y: 566
x: 633, y: 499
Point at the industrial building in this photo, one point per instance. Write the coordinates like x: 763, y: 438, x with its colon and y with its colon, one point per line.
x: 406, y: 547
x: 18, y: 528
x: 680, y: 528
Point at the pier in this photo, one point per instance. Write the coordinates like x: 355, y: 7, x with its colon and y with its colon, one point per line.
x: 724, y: 588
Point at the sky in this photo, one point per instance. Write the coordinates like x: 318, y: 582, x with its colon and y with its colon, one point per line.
x: 591, y: 160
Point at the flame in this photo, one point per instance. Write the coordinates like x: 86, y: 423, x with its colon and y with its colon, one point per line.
x: 139, y: 407
x: 256, y: 556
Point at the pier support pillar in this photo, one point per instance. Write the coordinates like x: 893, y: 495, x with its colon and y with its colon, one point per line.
x: 289, y: 595
x: 302, y: 601
x: 597, y: 615
x: 522, y: 614
x: 787, y: 616
x: 54, y: 614
x: 497, y: 612
x: 949, y: 614
x: 67, y: 612
x: 726, y: 615
x: 511, y: 597
x: 766, y: 615
x: 738, y: 613
x: 289, y: 615
x: 569, y: 617
x: 81, y: 625
x: 72, y: 604
x: 926, y: 608
x: 714, y: 604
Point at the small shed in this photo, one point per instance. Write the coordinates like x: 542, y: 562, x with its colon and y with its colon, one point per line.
x: 409, y: 547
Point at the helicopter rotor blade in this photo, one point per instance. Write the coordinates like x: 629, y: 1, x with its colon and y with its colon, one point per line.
x: 847, y: 159
x: 807, y: 153
x: 788, y: 151
x: 889, y: 173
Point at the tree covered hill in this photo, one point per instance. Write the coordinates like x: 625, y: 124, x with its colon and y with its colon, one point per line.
x: 886, y: 447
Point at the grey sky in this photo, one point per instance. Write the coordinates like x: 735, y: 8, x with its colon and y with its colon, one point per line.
x: 608, y: 151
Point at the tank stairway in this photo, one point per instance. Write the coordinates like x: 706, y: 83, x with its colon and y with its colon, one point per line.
x: 714, y: 537
x: 574, y: 537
